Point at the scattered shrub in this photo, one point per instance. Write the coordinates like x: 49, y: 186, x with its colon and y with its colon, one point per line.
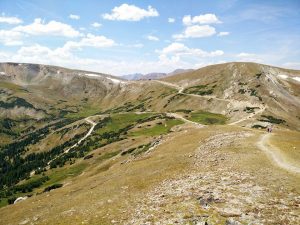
x: 88, y: 157
x: 242, y: 91
x: 128, y: 151
x: 11, y: 200
x: 271, y: 119
x: 253, y: 92
x: 200, y: 90
x: 250, y: 109
x: 54, y: 186
x: 257, y: 126
x: 258, y: 75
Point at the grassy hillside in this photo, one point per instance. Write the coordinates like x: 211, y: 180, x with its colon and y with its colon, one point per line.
x: 190, y: 148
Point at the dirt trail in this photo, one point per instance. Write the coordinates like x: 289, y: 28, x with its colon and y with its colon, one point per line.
x: 274, y: 154
x: 248, y: 117
x: 86, y: 136
x: 177, y: 116
x: 78, y: 142
x: 232, y: 102
x: 181, y: 89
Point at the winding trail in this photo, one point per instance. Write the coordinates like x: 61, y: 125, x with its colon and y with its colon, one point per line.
x: 180, y: 91
x: 178, y: 116
x: 248, y: 117
x: 77, y: 143
x: 86, y: 136
x: 274, y: 154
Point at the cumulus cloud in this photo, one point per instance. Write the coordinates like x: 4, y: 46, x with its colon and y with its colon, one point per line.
x: 248, y: 57
x: 10, y: 37
x: 196, y: 31
x: 173, y: 56
x: 74, y: 17
x: 96, y: 25
x: 171, y: 59
x: 130, y: 13
x: 174, y: 48
x: 54, y: 28
x: 201, y: 19
x: 10, y: 20
x: 171, y: 20
x: 245, y: 54
x: 152, y: 38
x: 35, y: 50
x: 292, y: 65
x: 137, y: 45
x: 179, y: 49
x: 223, y: 33
x: 89, y: 40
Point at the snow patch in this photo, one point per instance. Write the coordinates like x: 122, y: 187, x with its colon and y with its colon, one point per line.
x: 92, y: 75
x: 2, y: 73
x: 116, y: 81
x: 20, y: 199
x: 283, y: 76
x: 296, y: 79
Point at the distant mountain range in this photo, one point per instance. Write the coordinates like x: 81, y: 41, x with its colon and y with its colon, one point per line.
x: 140, y: 76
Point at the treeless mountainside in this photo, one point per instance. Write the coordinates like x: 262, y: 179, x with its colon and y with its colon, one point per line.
x: 80, y: 147
x: 249, y: 86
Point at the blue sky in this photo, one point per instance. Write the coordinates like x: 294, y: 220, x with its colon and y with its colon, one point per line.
x: 123, y: 37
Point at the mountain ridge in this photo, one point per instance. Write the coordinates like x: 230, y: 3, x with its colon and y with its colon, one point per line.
x: 154, y: 75
x: 80, y: 139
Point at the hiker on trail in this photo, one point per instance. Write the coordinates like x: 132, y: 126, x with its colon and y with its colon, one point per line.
x: 269, y: 129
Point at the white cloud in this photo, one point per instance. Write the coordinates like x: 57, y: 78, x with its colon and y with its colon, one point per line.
x: 249, y: 57
x: 10, y: 20
x: 34, y: 50
x: 10, y: 37
x: 130, y: 13
x: 96, y: 25
x: 137, y: 45
x: 38, y: 27
x: 201, y: 19
x: 223, y: 33
x: 178, y: 50
x: 292, y: 65
x: 60, y: 57
x: 152, y: 38
x: 196, y: 31
x: 245, y: 54
x: 96, y: 41
x: 171, y: 20
x: 89, y: 41
x: 174, y: 48
x: 74, y: 17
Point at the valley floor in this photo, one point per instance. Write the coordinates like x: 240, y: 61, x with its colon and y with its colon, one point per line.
x: 220, y: 174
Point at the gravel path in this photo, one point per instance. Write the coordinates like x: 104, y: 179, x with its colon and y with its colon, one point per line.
x: 274, y: 154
